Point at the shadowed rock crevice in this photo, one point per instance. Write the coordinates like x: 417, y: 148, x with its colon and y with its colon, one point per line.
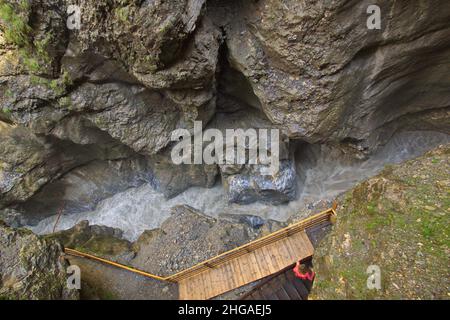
x: 239, y: 108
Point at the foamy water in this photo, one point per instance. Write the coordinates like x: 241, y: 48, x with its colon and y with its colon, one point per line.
x: 143, y: 208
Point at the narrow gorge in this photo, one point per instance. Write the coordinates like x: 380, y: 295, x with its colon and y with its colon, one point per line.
x: 87, y: 115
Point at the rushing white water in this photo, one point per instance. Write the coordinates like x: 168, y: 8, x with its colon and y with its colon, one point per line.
x: 328, y: 177
x: 143, y: 208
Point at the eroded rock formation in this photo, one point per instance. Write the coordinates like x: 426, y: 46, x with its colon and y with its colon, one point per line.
x: 114, y: 90
x: 319, y: 71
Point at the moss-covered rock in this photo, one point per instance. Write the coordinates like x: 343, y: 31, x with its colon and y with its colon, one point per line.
x: 97, y: 240
x: 399, y: 221
x: 31, y: 267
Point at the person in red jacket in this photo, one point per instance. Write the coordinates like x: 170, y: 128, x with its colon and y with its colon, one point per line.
x: 304, y: 270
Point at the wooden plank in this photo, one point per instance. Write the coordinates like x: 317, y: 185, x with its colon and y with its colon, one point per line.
x: 215, y: 276
x: 263, y: 263
x: 292, y: 249
x: 218, y: 276
x: 266, y: 264
x: 288, y: 248
x: 265, y: 254
x: 252, y: 268
x: 272, y: 252
x: 257, y: 295
x: 194, y: 291
x: 209, y: 288
x: 181, y: 291
x: 222, y: 281
x: 291, y: 291
x: 247, y: 268
x: 297, y: 246
x: 307, y: 243
x: 188, y: 290
x: 220, y: 284
x: 259, y: 266
x: 231, y: 276
x: 281, y: 294
x: 298, y: 284
x: 285, y: 255
x: 239, y: 271
x: 243, y: 263
x: 301, y: 243
x: 248, y: 274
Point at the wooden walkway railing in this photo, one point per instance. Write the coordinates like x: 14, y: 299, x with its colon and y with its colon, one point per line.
x: 257, y: 247
x: 252, y: 246
x: 80, y: 254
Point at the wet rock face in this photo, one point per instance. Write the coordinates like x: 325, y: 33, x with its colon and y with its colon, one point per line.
x: 249, y: 185
x: 318, y: 70
x: 96, y: 76
x: 82, y: 188
x: 171, y: 179
x: 31, y: 267
x: 120, y: 30
x: 398, y: 221
x: 112, y: 88
x: 135, y: 71
x: 29, y: 162
x: 99, y: 240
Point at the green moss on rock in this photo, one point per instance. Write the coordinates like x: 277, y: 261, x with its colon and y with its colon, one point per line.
x: 97, y: 240
x: 398, y: 220
x: 31, y: 267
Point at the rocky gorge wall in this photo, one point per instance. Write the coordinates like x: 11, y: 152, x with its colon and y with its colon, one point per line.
x: 95, y: 107
x: 86, y: 117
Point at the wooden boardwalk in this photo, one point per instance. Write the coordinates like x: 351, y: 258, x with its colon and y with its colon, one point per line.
x: 246, y: 268
x: 240, y: 266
